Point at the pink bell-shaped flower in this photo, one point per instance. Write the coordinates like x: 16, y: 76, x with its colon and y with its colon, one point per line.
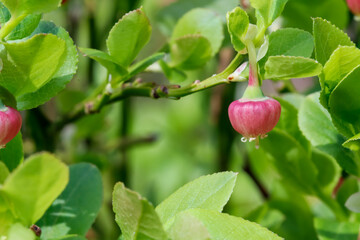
x: 10, y: 124
x: 254, y: 115
x: 354, y: 6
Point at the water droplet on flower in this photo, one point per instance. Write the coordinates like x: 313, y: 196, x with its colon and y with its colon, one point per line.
x: 244, y: 139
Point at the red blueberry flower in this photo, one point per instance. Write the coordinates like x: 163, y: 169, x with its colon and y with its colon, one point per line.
x: 354, y: 6
x: 10, y: 124
x: 254, y: 115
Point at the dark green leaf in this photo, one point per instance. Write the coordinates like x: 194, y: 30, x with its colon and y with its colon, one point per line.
x: 4, y: 173
x: 74, y: 211
x: 328, y: 229
x: 316, y: 124
x: 7, y: 98
x: 13, y: 154
x: 344, y: 100
x: 25, y: 28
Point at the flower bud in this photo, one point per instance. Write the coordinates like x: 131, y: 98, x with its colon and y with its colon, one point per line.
x: 354, y: 6
x: 10, y: 124
x: 253, y: 118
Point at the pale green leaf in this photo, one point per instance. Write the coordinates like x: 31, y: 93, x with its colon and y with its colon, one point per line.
x: 287, y: 67
x: 13, y: 154
x: 190, y: 52
x: 327, y: 38
x: 224, y: 226
x: 33, y: 186
x: 208, y: 192
x: 237, y: 23
x: 342, y: 61
x: 267, y: 11
x: 19, y: 232
x: 20, y: 7
x: 353, y: 143
x: 201, y: 22
x: 75, y: 210
x: 31, y: 63
x: 128, y: 37
x: 109, y: 62
x: 135, y: 216
x: 353, y: 202
x: 188, y: 227
x: 62, y: 76
x: 329, y: 229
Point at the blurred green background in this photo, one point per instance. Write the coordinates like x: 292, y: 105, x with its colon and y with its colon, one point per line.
x: 156, y: 146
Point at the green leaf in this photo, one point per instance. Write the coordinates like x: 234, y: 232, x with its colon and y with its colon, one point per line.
x: 142, y: 65
x: 4, y: 14
x: 201, y: 22
x: 173, y: 74
x: 169, y: 15
x: 267, y: 11
x: 341, y: 62
x: 109, y: 62
x: 4, y: 173
x: 287, y: 124
x: 287, y: 67
x: 344, y: 100
x: 327, y: 38
x: 128, y: 37
x: 31, y: 63
x: 288, y: 42
x: 33, y: 186
x: 328, y: 229
x: 13, y: 154
x: 62, y: 76
x: 353, y: 143
x: 135, y: 216
x: 75, y: 210
x: 19, y: 232
x: 291, y: 160
x: 328, y: 170
x: 353, y: 202
x: 237, y: 23
x: 224, y: 226
x: 190, y: 52
x: 316, y: 124
x: 7, y: 98
x: 208, y: 192
x: 20, y: 7
x: 299, y: 13
x: 188, y: 227
x: 25, y: 28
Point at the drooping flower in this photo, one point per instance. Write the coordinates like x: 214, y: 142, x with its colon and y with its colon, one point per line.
x: 10, y: 124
